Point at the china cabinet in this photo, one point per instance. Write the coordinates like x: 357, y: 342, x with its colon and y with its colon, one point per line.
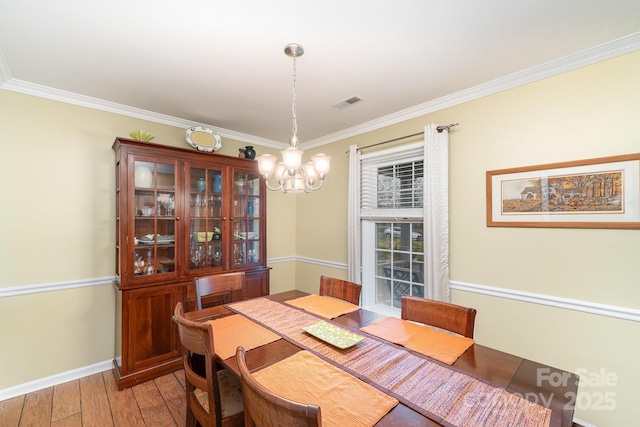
x: 180, y: 214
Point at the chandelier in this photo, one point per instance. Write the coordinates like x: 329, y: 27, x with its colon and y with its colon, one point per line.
x: 291, y: 174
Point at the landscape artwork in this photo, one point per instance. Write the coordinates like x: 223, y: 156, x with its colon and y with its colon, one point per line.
x: 564, y: 195
x: 593, y: 193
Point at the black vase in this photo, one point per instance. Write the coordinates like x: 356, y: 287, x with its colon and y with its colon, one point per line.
x: 249, y: 152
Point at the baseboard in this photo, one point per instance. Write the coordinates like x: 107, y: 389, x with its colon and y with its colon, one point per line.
x: 579, y: 423
x: 54, y: 380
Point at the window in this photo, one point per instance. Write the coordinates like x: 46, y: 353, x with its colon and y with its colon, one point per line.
x: 399, y: 262
x: 391, y: 213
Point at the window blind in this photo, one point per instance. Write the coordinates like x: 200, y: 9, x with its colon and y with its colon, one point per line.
x: 392, y: 182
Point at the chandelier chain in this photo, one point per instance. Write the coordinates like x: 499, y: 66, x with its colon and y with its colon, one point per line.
x: 293, y: 107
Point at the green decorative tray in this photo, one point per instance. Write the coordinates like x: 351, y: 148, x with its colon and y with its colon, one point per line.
x: 333, y: 335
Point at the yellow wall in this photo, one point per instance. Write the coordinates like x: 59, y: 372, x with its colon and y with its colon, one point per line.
x: 587, y: 113
x: 57, y: 216
x: 54, y: 332
x: 57, y: 221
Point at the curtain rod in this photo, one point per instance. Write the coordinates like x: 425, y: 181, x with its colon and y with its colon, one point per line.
x: 439, y: 128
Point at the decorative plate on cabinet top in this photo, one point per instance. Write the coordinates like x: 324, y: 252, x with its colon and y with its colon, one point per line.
x: 203, y: 139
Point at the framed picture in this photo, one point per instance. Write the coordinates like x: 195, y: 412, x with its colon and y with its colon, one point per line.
x: 593, y: 193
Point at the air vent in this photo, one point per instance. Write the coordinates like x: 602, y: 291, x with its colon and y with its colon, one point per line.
x: 347, y: 102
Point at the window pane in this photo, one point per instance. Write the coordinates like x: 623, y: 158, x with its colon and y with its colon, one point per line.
x: 396, y: 186
x: 399, y: 257
x: 383, y: 291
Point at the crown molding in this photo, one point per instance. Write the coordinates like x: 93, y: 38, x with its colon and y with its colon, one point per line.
x: 46, y: 92
x: 612, y: 49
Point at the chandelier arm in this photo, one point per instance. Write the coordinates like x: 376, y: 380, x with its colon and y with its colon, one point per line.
x: 312, y: 188
x: 308, y: 182
x: 279, y: 187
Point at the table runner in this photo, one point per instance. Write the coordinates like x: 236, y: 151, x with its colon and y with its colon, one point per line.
x: 440, y: 392
x: 343, y: 399
x: 328, y: 308
x: 446, y: 348
x: 231, y: 331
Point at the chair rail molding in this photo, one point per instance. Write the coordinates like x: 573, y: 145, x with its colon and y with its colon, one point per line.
x: 550, y: 300
x: 618, y: 312
x: 293, y: 258
x: 38, y: 288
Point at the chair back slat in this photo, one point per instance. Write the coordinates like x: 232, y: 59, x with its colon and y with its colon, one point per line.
x: 219, y: 289
x: 338, y: 288
x: 444, y: 315
x: 266, y: 409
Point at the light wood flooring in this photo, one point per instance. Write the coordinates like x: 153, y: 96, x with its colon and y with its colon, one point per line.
x: 96, y: 401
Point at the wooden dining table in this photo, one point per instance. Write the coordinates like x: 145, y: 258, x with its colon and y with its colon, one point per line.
x: 531, y: 380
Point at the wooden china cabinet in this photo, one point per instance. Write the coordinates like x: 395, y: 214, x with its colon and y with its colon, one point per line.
x: 180, y: 214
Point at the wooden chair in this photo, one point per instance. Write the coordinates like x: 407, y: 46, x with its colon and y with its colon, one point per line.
x: 265, y: 409
x: 342, y: 289
x: 219, y: 289
x: 444, y: 315
x: 216, y: 399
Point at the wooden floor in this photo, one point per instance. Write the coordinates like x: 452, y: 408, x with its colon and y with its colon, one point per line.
x: 96, y: 401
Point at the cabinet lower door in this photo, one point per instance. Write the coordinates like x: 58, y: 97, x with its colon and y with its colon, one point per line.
x: 152, y: 346
x: 256, y: 283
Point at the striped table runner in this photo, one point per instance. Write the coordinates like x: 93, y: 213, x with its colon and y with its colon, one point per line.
x: 440, y: 392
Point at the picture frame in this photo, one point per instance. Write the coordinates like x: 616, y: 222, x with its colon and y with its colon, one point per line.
x: 593, y: 193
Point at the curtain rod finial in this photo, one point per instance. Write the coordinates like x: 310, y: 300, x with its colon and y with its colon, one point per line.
x: 447, y: 127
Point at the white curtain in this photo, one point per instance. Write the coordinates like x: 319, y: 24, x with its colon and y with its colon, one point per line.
x: 353, y: 216
x: 436, y: 212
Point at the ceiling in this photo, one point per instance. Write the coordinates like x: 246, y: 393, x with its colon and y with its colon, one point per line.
x: 222, y: 63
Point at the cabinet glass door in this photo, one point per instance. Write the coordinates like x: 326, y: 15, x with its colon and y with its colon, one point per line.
x: 246, y: 219
x: 206, y: 208
x: 153, y: 213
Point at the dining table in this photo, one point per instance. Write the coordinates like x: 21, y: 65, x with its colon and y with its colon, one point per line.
x: 516, y: 377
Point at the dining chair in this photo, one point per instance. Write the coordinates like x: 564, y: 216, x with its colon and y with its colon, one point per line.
x: 219, y: 289
x: 214, y: 400
x: 440, y: 314
x: 266, y: 409
x: 342, y: 289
